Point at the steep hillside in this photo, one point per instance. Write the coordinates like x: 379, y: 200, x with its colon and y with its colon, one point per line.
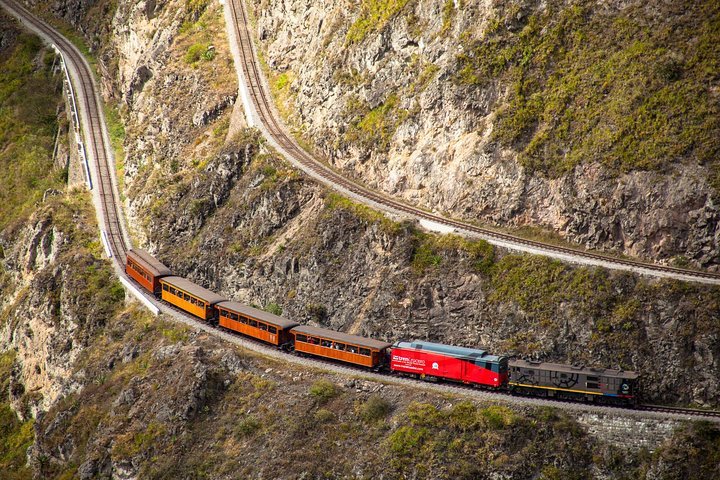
x: 222, y: 210
x: 104, y: 390
x: 597, y: 122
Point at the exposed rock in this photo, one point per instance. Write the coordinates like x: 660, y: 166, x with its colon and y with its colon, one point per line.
x: 441, y: 153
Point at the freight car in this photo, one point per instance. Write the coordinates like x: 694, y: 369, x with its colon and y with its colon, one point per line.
x: 435, y: 361
x: 573, y: 382
x: 430, y: 361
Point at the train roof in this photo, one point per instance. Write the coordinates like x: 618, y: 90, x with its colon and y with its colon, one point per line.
x: 581, y: 369
x: 451, y: 350
x: 341, y: 337
x: 194, y: 289
x: 261, y: 315
x: 148, y: 262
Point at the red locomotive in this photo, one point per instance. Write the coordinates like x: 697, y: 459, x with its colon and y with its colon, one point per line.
x: 434, y: 361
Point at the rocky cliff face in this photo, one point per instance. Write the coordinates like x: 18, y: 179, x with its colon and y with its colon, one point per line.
x: 222, y: 211
x: 515, y: 113
x: 122, y: 395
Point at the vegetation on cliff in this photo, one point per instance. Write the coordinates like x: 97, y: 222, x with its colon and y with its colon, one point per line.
x: 620, y: 88
x: 30, y: 95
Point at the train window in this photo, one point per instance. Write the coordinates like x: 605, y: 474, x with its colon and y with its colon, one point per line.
x: 253, y: 323
x: 593, y: 385
x: 187, y: 297
x: 300, y: 338
x: 223, y: 313
x: 272, y: 329
x: 165, y: 287
x: 173, y: 291
x: 242, y: 319
x: 325, y: 343
x: 339, y: 346
x: 234, y: 316
x: 352, y: 349
x: 262, y: 326
x: 313, y: 340
x: 365, y: 351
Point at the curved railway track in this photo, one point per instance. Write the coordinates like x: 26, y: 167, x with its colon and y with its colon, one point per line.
x: 274, y: 128
x: 96, y: 140
x: 107, y: 201
x: 305, y: 361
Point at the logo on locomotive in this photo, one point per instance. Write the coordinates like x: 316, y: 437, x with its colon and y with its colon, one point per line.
x: 435, y: 366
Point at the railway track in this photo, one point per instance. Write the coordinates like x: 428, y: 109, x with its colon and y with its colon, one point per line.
x: 305, y: 361
x: 110, y: 217
x: 269, y: 121
x: 97, y: 144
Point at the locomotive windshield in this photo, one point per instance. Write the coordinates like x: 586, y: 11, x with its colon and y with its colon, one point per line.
x: 503, y: 366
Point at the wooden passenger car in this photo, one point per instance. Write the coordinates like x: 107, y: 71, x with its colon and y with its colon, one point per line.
x: 145, y: 269
x: 255, y: 323
x: 348, y: 348
x: 190, y: 297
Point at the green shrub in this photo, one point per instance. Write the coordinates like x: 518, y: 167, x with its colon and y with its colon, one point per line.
x: 29, y: 98
x: 316, y: 311
x: 407, y: 441
x: 273, y: 308
x: 375, y: 408
x: 246, y: 427
x: 324, y: 416
x: 324, y: 391
x: 199, y: 51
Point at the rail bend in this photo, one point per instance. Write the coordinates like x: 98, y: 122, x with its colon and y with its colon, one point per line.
x: 261, y: 113
x: 109, y: 214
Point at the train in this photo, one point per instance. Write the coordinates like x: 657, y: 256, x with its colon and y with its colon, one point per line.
x: 419, y: 359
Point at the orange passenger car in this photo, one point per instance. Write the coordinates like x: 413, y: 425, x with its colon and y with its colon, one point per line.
x: 145, y: 269
x: 354, y: 349
x: 190, y: 297
x: 255, y: 323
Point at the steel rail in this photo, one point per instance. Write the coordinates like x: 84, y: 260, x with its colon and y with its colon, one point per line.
x: 318, y: 169
x: 93, y: 127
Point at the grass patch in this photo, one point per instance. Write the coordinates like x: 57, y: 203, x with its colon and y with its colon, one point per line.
x: 375, y: 14
x: 619, y: 88
x: 374, y: 128
x: 334, y: 201
x: 29, y: 97
x: 15, y: 438
x: 430, y: 249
